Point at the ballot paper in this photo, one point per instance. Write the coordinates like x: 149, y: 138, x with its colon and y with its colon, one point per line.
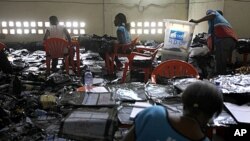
x: 98, y: 99
x: 90, y: 124
x: 240, y: 112
x: 137, y: 107
x: 93, y: 89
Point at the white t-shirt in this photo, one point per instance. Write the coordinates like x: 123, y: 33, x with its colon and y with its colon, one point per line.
x: 56, y: 31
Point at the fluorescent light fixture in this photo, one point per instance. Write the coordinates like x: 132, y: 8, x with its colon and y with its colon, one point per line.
x: 47, y: 24
x: 82, y: 31
x: 146, y: 24
x: 5, y: 31
x: 4, y: 24
x: 68, y: 24
x: 25, y: 24
x: 33, y: 24
x: 132, y: 24
x: 11, y: 23
x: 26, y: 31
x: 139, y: 24
x: 153, y: 24
x: 75, y: 31
x: 159, y: 31
x: 18, y: 24
x: 69, y: 30
x: 61, y: 23
x: 153, y: 31
x: 146, y: 31
x: 82, y: 24
x: 132, y: 31
x: 139, y: 31
x: 40, y: 24
x: 19, y: 31
x: 33, y: 31
x: 12, y: 31
x: 160, y: 24
x: 40, y: 31
x: 75, y: 24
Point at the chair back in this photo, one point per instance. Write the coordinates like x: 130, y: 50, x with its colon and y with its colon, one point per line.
x: 56, y: 47
x: 125, y: 47
x: 141, y: 59
x: 120, y: 50
x: 174, y: 68
x: 2, y: 46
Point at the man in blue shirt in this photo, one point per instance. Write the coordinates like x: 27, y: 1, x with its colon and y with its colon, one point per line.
x: 222, y: 39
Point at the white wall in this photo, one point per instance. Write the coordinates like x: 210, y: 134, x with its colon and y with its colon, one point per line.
x: 89, y: 11
x: 198, y: 8
x: 237, y: 12
x: 98, y: 14
x: 146, y: 10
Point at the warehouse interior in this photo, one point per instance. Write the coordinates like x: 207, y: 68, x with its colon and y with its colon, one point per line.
x: 41, y: 104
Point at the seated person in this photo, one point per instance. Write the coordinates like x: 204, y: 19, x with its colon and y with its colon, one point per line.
x: 123, y: 36
x: 122, y: 33
x: 201, y: 101
x: 56, y: 31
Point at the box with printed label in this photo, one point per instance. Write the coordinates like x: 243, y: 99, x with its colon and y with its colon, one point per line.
x: 178, y: 33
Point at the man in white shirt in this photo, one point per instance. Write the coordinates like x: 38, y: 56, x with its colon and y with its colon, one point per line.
x: 56, y: 31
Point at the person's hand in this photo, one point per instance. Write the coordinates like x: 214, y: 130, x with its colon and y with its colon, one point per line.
x: 193, y: 21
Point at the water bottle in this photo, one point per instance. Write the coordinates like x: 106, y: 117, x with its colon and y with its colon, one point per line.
x: 217, y: 84
x: 88, y: 78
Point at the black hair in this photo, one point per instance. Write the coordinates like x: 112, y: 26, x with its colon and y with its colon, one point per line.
x: 122, y: 20
x: 53, y: 20
x: 202, y: 97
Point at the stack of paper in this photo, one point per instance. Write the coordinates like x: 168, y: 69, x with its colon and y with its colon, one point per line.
x: 240, y: 112
x: 137, y: 107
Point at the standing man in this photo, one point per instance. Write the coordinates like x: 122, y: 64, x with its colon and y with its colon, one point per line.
x: 56, y: 31
x: 222, y: 39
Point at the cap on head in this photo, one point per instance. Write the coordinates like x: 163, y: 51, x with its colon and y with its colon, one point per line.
x: 209, y: 11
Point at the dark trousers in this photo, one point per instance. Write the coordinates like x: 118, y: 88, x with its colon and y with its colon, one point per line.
x: 223, y: 54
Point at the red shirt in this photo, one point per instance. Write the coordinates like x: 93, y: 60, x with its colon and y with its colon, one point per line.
x: 221, y: 32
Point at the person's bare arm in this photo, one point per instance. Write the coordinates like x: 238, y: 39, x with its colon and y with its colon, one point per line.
x: 46, y: 35
x: 67, y: 35
x: 130, y: 136
x: 205, y: 18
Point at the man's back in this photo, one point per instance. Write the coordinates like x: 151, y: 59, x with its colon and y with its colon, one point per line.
x: 56, y: 31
